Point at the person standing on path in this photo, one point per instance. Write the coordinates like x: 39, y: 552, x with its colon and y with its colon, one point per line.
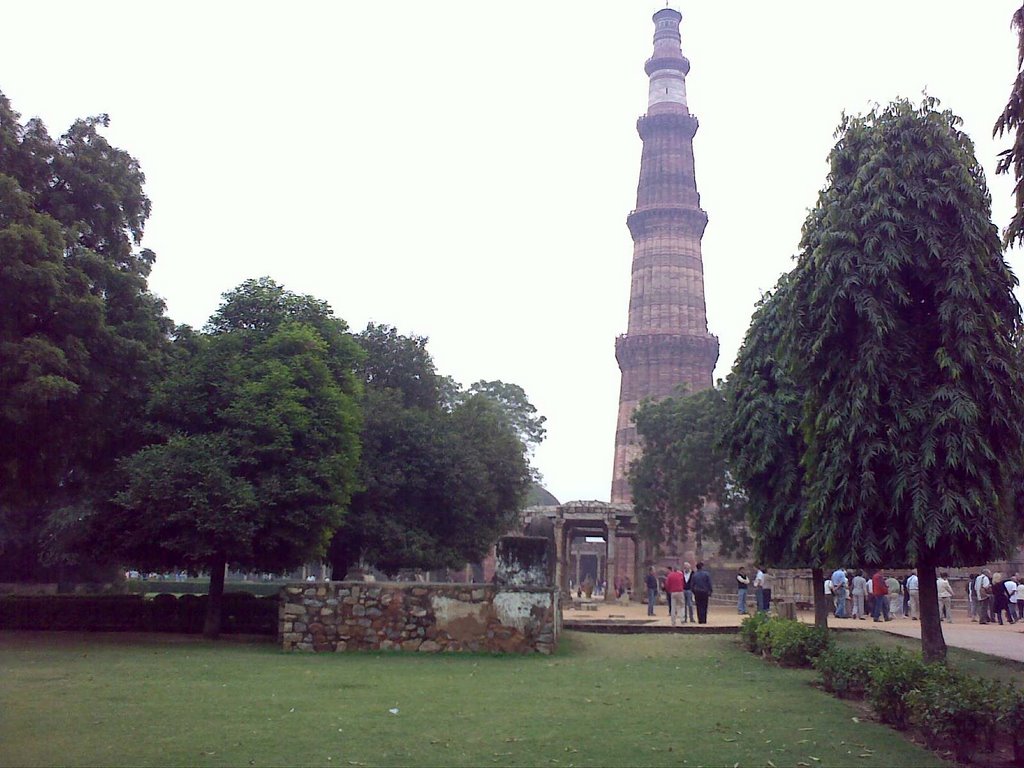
x: 1020, y: 596
x: 983, y: 593
x: 702, y: 589
x: 858, y: 591
x: 651, y: 582
x: 839, y: 592
x: 674, y: 588
x: 759, y: 589
x: 880, y: 589
x: 945, y: 597
x: 742, y: 584
x: 914, y: 595
x: 687, y: 593
x: 893, y: 585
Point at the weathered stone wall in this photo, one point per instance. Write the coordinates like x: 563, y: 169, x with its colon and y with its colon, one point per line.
x: 350, y: 616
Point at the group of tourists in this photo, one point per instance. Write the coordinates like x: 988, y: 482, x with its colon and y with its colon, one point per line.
x: 856, y: 594
x: 991, y: 595
x: 687, y: 589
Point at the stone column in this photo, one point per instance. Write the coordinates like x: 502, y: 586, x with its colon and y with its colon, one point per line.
x: 560, y: 555
x: 610, y: 565
x: 640, y: 569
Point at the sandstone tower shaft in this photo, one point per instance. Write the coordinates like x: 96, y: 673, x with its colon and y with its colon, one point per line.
x: 667, y: 343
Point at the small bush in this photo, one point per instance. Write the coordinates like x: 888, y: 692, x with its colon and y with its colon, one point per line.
x: 847, y: 673
x: 954, y: 710
x: 792, y: 643
x: 896, y: 674
x: 748, y: 630
x: 1009, y: 716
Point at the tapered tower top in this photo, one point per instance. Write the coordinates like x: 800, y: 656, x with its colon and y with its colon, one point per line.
x: 667, y: 67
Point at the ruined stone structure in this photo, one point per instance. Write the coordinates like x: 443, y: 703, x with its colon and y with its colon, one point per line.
x: 621, y: 557
x: 667, y: 343
x: 340, y: 616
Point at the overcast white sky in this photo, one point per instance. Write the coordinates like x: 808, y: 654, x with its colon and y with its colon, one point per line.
x: 462, y: 170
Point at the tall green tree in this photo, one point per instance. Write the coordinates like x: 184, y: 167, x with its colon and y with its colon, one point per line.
x: 684, y: 471
x: 1012, y: 121
x: 82, y: 339
x: 443, y: 472
x: 906, y: 329
x: 262, y: 422
x: 764, y: 441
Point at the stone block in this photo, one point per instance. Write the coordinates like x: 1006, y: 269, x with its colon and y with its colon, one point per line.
x: 292, y: 637
x: 411, y: 645
x: 341, y: 646
x: 429, y: 646
x: 291, y: 609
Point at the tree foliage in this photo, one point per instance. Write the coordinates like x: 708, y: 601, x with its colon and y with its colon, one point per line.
x: 262, y: 423
x: 905, y: 327
x: 443, y: 472
x: 682, y: 480
x: 763, y: 438
x: 81, y: 338
x: 1012, y: 121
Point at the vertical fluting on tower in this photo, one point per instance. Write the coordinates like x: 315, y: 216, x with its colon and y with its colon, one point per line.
x: 666, y: 343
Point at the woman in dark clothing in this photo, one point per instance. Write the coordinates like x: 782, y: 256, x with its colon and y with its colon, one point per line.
x: 1001, y: 599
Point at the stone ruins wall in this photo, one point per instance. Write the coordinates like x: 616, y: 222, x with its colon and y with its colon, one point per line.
x: 350, y: 616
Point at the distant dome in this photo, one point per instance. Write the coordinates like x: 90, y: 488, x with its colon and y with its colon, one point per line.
x: 539, y: 496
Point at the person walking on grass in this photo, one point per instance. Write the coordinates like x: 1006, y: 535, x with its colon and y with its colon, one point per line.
x: 674, y: 588
x: 880, y: 589
x: 742, y: 584
x: 702, y: 589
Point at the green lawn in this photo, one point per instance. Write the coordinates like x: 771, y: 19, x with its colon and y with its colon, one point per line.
x: 603, y: 700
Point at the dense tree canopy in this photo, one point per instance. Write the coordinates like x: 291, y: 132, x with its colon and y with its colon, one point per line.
x: 905, y: 327
x: 81, y: 337
x: 681, y: 482
x: 443, y: 472
x: 262, y: 421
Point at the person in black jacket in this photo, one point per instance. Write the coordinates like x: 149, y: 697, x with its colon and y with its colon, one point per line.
x: 651, y: 582
x: 702, y: 589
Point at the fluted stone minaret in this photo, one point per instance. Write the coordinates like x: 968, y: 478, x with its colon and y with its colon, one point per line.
x: 667, y: 341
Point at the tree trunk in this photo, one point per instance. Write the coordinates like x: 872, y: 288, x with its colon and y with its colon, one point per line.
x: 822, y: 605
x: 214, y: 600
x: 933, y: 644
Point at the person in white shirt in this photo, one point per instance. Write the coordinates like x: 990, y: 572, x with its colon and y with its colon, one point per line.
x: 1012, y: 584
x: 913, y: 586
x: 760, y: 579
x: 945, y: 597
x: 1020, y: 595
x: 858, y: 591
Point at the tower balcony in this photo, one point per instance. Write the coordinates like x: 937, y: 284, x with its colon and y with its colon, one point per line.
x: 641, y: 221
x: 685, y: 123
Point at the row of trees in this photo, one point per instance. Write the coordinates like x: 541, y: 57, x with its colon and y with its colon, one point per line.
x: 875, y: 412
x: 271, y: 437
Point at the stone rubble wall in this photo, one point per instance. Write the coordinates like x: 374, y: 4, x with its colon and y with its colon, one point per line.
x: 349, y: 616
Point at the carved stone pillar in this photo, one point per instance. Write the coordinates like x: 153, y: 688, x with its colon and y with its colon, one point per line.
x: 560, y: 555
x: 610, y: 565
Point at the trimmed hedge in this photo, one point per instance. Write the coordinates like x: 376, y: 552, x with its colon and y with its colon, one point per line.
x: 198, y: 587
x: 790, y: 643
x: 243, y: 613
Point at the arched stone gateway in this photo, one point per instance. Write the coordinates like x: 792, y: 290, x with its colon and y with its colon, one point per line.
x: 619, y: 559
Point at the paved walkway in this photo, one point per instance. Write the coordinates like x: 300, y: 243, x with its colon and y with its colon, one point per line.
x: 1006, y: 641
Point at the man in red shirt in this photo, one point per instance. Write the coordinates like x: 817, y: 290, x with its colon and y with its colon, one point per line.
x: 880, y: 591
x: 674, y: 588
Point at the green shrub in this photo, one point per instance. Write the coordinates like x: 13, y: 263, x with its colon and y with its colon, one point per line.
x: 895, y: 675
x: 954, y: 710
x: 1009, y: 717
x: 792, y: 643
x: 748, y: 630
x: 846, y: 673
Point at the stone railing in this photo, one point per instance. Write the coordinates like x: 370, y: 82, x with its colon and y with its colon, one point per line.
x: 349, y: 616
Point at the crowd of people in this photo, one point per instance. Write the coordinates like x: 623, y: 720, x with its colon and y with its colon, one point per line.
x: 857, y: 594
x: 687, y: 589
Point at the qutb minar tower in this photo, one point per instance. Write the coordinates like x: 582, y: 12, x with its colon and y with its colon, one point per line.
x: 666, y: 343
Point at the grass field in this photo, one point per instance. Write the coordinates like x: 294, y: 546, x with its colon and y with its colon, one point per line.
x: 658, y: 700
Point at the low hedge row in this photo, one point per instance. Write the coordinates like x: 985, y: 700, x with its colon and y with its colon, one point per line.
x: 200, y: 587
x: 950, y: 710
x: 243, y: 613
